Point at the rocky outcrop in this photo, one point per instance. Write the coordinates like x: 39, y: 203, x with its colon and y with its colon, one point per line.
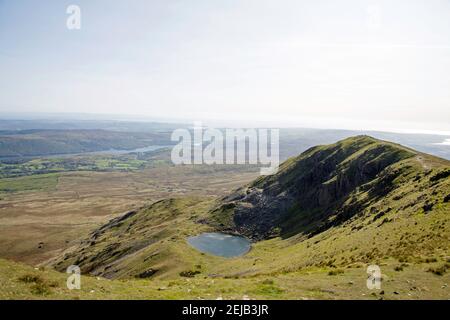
x: 310, y: 189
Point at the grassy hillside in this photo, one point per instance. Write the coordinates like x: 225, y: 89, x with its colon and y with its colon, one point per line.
x: 142, y: 243
x: 327, y: 186
x: 376, y: 203
x: 19, y: 281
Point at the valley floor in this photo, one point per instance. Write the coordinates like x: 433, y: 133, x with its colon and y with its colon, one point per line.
x: 41, y: 218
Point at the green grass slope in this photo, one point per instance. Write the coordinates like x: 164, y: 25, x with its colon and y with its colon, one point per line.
x: 358, y: 202
x: 142, y: 243
x: 323, y: 187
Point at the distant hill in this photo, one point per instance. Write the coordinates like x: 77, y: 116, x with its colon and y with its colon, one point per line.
x: 333, y: 208
x: 33, y: 143
x: 293, y: 141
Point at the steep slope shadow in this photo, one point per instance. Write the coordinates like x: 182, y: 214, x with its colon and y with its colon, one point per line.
x: 321, y: 188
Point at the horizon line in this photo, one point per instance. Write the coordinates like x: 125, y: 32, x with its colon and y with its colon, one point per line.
x: 209, y: 121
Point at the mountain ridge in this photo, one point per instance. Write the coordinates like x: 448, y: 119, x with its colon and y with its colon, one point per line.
x: 322, y: 183
x: 358, y: 191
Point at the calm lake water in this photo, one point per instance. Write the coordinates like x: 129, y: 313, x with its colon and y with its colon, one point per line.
x: 108, y: 152
x: 90, y: 153
x: 220, y: 244
x: 138, y: 150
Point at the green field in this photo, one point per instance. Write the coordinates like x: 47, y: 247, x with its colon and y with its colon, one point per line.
x: 126, y: 162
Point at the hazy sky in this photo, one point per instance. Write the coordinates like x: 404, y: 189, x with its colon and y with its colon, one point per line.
x: 357, y: 64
